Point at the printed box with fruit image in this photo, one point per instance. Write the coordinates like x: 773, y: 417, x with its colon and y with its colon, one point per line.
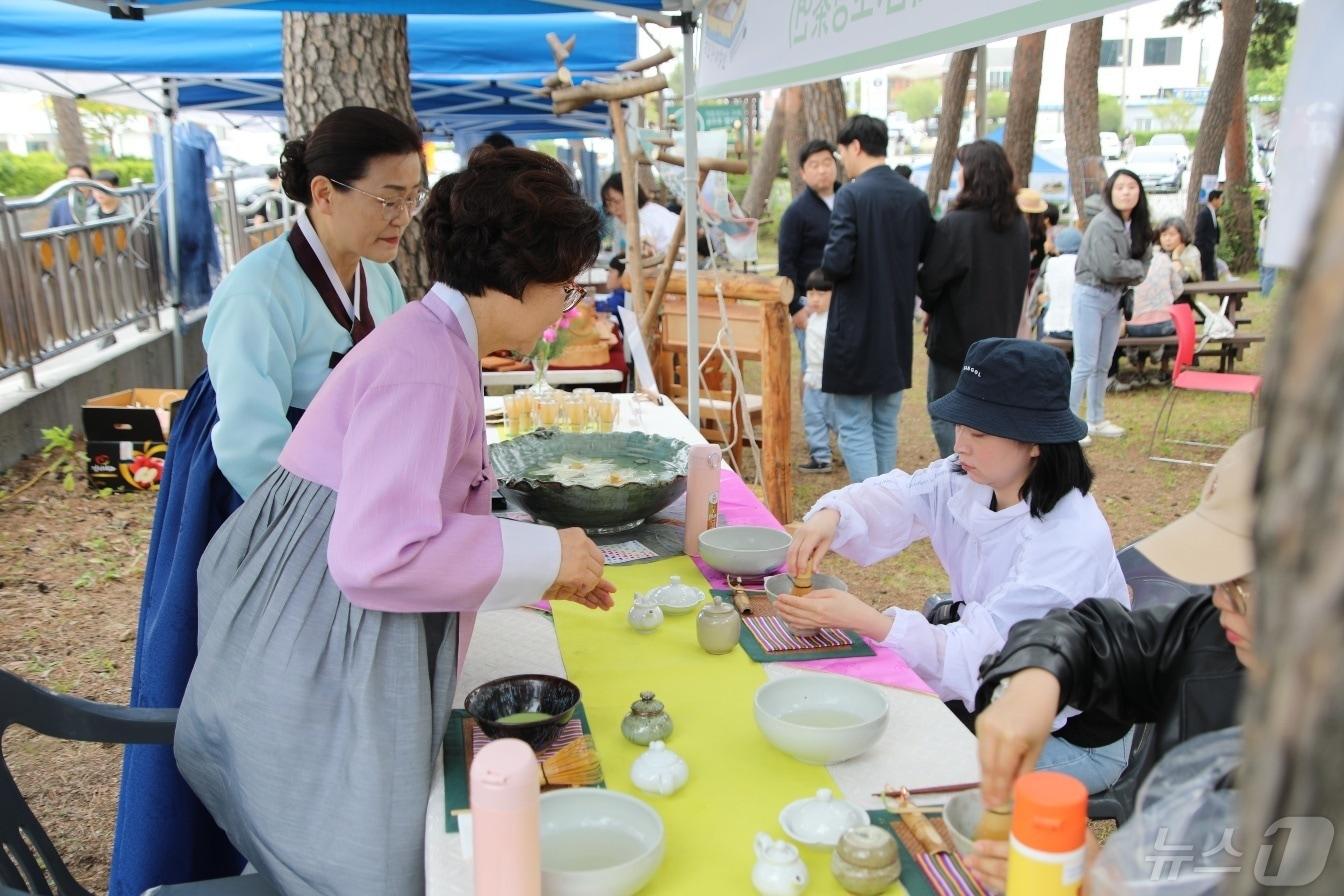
x: 127, y: 433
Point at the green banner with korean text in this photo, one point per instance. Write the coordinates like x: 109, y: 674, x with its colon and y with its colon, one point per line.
x: 752, y: 45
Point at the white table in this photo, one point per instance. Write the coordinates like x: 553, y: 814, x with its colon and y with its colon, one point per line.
x: 510, y: 642
x: 582, y: 376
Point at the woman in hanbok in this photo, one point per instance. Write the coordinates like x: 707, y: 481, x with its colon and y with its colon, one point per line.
x: 336, y: 605
x: 277, y: 326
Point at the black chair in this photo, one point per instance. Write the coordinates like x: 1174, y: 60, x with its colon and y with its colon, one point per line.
x: 29, y: 863
x: 1151, y: 587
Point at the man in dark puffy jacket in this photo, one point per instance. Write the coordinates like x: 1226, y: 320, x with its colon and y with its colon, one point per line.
x: 1180, y: 667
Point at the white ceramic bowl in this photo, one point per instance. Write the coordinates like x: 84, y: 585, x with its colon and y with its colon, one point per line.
x: 961, y: 814
x: 821, y: 719
x: 597, y: 842
x: 744, y: 550
x: 783, y: 584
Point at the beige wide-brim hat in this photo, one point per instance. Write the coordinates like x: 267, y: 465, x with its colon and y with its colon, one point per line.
x: 1030, y: 201
x: 1212, y: 544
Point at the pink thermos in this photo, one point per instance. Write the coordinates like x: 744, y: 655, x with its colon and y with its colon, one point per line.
x: 506, y: 820
x: 702, y: 494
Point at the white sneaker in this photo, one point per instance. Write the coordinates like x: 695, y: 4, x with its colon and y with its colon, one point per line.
x: 1084, y: 441
x: 1105, y: 429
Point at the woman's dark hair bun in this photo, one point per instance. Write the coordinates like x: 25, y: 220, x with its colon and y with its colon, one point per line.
x: 341, y: 146
x: 294, y: 177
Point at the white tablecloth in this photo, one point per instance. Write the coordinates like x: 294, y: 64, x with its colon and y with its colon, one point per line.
x: 924, y: 742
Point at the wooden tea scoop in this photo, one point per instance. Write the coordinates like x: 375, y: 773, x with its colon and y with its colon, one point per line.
x: 917, y: 821
x: 740, y: 599
x: 995, y: 824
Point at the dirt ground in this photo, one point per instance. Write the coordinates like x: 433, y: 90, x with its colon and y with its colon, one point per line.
x: 71, y: 566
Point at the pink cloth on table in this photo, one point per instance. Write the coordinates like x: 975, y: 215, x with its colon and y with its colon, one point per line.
x: 738, y: 506
x: 884, y: 667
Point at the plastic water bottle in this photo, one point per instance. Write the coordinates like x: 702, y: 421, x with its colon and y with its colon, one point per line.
x: 702, y: 494
x: 1048, y: 841
x: 506, y: 820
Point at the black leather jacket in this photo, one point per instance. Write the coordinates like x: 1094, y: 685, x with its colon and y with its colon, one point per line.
x: 1168, y: 665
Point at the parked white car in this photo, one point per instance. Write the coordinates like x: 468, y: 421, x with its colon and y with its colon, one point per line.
x: 1110, y: 145
x: 1173, y: 141
x: 1159, y: 168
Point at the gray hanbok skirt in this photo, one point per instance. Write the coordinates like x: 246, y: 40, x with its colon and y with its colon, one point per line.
x: 310, y: 725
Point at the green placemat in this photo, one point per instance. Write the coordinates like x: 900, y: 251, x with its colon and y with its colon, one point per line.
x: 752, y: 647
x: 455, y: 790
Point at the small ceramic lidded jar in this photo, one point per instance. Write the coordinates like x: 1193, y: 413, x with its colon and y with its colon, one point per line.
x: 717, y: 627
x: 645, y: 615
x: 659, y: 770
x: 866, y: 861
x: 646, y: 721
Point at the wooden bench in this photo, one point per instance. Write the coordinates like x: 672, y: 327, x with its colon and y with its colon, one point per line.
x: 1227, y: 352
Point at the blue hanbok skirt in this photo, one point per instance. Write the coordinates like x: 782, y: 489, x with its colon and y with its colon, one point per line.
x: 164, y: 834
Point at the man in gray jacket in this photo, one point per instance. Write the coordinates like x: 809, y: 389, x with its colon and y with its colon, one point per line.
x: 880, y: 229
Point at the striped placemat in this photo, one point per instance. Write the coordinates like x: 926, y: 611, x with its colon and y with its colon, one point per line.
x: 572, y: 731
x: 775, y: 637
x: 944, y: 871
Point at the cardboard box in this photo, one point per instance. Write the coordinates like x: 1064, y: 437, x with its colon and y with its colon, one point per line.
x: 127, y: 433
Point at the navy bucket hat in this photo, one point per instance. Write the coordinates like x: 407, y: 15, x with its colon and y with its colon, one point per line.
x: 1016, y: 389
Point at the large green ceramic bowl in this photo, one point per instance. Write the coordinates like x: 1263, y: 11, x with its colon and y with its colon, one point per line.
x: 608, y: 508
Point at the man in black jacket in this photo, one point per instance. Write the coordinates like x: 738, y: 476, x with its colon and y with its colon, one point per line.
x: 880, y: 228
x: 802, y: 237
x: 1179, y: 666
x: 1208, y: 233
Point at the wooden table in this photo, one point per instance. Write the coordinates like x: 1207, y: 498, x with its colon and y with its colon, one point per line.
x: 512, y: 641
x: 1235, y: 291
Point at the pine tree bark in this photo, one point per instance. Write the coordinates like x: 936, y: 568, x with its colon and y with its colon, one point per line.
x: 795, y: 135
x: 949, y: 123
x: 1295, y: 713
x: 821, y: 115
x: 1240, y: 212
x: 334, y: 60
x: 1229, y: 81
x: 70, y: 131
x: 1024, y: 99
x: 1082, y: 137
x: 765, y: 167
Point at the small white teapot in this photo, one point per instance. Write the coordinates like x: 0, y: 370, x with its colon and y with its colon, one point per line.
x: 645, y: 614
x: 659, y: 770
x: 779, y: 869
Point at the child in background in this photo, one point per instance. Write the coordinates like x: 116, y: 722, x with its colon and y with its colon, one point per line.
x: 615, y: 296
x: 818, y: 421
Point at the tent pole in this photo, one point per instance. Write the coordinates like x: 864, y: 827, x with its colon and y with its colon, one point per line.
x: 691, y: 204
x: 170, y: 205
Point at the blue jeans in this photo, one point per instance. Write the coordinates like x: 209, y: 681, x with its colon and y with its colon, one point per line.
x: 867, y: 428
x: 818, y: 421
x: 942, y: 380
x: 1267, y: 275
x: 1096, y: 330
x: 1097, y: 767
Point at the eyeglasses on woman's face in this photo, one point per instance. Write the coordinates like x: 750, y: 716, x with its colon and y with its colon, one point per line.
x: 1238, y: 593
x: 392, y: 208
x: 574, y: 294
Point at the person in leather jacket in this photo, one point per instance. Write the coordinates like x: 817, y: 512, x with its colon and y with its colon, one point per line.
x: 1180, y: 666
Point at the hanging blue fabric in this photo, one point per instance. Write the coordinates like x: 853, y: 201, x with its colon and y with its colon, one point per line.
x: 195, y: 160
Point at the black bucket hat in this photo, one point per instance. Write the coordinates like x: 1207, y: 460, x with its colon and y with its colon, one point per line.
x: 1016, y: 389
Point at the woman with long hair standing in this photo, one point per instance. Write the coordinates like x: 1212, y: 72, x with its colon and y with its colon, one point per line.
x: 1114, y: 256
x: 975, y: 272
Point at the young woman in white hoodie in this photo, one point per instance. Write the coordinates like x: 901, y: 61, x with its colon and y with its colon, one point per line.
x: 1010, y: 519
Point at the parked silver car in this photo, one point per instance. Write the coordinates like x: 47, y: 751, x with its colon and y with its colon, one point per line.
x: 1159, y: 168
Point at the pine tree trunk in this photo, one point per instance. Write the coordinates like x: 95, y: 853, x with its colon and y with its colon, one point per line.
x: 820, y: 116
x: 1082, y: 138
x: 1239, y: 211
x: 1295, y: 715
x: 766, y: 165
x: 332, y: 61
x: 70, y: 131
x: 949, y: 122
x: 1229, y: 82
x: 1024, y: 98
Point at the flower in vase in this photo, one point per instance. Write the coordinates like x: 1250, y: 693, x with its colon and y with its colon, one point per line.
x: 549, y: 335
